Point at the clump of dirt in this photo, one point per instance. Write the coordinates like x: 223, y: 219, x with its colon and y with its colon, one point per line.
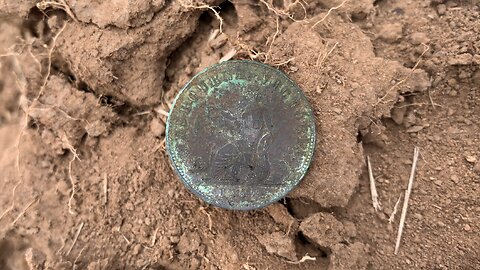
x: 84, y: 93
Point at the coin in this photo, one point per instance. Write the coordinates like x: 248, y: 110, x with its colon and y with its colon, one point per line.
x: 240, y: 135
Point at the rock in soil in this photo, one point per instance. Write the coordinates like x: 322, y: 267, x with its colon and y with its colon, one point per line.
x: 322, y: 229
x: 280, y: 244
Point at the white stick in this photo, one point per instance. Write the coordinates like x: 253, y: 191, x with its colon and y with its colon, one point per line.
x: 75, y: 238
x: 395, y: 209
x: 105, y: 189
x: 407, y: 197
x: 373, y: 189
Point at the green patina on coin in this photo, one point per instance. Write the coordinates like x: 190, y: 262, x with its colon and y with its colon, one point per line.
x: 240, y: 135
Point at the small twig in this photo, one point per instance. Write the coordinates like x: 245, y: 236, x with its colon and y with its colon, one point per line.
x: 60, y: 249
x: 72, y: 182
x: 124, y: 237
x: 210, y: 223
x: 408, y: 76
x: 373, y: 189
x: 24, y: 211
x: 407, y: 197
x: 154, y: 238
x: 395, y: 209
x: 289, y: 227
x: 13, y: 201
x: 161, y: 111
x: 320, y: 63
x: 76, y: 259
x: 105, y: 189
x: 283, y: 62
x: 328, y: 13
x: 228, y: 55
x: 304, y: 259
x: 75, y: 238
x: 431, y: 100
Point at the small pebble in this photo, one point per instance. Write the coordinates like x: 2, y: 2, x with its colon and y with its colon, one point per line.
x: 157, y: 127
x: 471, y: 159
x: 438, y: 182
x: 137, y: 249
x: 476, y: 168
x: 454, y: 178
x: 441, y: 9
x: 391, y: 33
x: 467, y: 227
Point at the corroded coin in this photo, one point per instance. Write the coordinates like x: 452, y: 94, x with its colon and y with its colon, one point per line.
x: 240, y: 135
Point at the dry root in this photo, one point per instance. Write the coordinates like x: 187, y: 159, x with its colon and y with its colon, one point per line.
x: 382, y: 99
x: 204, y: 6
x: 60, y: 4
x: 328, y: 13
x: 286, y: 12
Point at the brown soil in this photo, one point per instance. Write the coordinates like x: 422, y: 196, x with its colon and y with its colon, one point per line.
x: 86, y: 183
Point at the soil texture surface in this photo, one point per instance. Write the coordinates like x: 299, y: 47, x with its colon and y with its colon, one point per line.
x: 86, y: 86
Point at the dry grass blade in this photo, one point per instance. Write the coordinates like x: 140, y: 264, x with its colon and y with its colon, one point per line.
x: 395, y: 209
x: 105, y: 189
x: 407, y: 197
x: 373, y: 189
x: 320, y: 62
x: 75, y: 238
x: 24, y: 211
x: 12, y: 206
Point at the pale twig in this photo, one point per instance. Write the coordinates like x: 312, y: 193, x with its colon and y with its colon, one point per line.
x: 124, y: 237
x: 13, y: 201
x: 283, y: 62
x: 61, y: 247
x: 408, y: 76
x: 210, y: 223
x: 72, y: 182
x: 105, y: 189
x: 76, y: 258
x: 75, y: 238
x: 407, y: 197
x: 228, y: 55
x: 289, y: 227
x: 24, y: 211
x: 303, y: 259
x: 395, y: 209
x: 319, y: 63
x: 154, y: 238
x: 161, y: 111
x: 373, y: 189
x: 328, y: 13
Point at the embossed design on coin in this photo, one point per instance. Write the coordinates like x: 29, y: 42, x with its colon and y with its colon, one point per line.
x: 240, y: 135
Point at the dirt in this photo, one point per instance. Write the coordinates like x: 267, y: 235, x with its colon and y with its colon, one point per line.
x: 86, y: 182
